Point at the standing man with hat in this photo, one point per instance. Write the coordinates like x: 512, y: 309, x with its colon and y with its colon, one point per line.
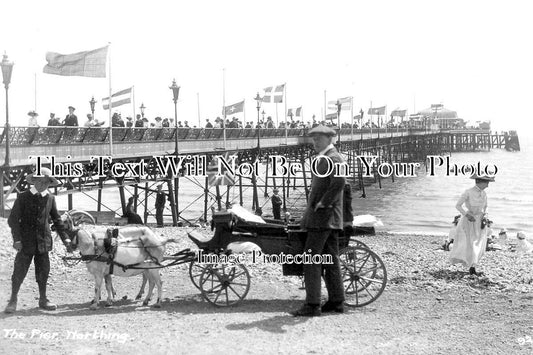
x: 32, y: 237
x: 276, y: 204
x: 323, y: 221
x: 71, y: 119
x: 160, y: 205
x: 470, y: 240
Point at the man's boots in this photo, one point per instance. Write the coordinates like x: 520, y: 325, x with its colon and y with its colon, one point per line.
x: 44, y: 303
x: 12, y: 304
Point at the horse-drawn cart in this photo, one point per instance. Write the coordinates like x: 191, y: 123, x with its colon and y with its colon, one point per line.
x: 223, y: 279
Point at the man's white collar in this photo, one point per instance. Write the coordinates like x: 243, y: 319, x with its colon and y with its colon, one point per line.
x: 34, y: 191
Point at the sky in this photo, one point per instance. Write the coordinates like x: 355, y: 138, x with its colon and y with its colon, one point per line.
x: 474, y: 57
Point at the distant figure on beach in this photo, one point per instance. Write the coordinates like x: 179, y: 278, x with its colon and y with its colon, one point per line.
x: 32, y: 122
x: 160, y: 205
x: 208, y: 124
x: 131, y: 215
x: 276, y: 204
x: 71, y: 119
x: 471, y: 233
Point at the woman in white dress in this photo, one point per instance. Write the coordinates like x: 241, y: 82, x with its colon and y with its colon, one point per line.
x: 471, y: 236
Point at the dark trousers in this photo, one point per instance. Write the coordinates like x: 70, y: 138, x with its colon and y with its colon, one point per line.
x: 22, y: 264
x: 323, y: 242
x: 276, y: 211
x: 159, y: 215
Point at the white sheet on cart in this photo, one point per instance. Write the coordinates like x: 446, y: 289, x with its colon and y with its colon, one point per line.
x: 246, y: 215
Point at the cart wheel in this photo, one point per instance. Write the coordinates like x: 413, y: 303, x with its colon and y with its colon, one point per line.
x: 81, y: 217
x: 358, y: 243
x: 195, y: 272
x: 225, y: 284
x: 363, y: 274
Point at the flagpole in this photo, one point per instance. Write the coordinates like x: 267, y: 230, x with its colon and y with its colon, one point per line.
x: 224, y: 104
x: 35, y: 88
x: 285, y: 111
x: 324, y: 105
x: 351, y: 113
x: 110, y: 105
x: 133, y: 103
x: 371, y: 118
x: 198, y: 100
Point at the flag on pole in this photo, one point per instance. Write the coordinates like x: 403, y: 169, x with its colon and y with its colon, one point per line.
x: 117, y: 99
x: 377, y: 110
x: 295, y: 112
x: 399, y: 113
x: 90, y: 63
x: 231, y: 109
x: 346, y: 104
x: 222, y: 177
x: 275, y: 96
x: 331, y: 116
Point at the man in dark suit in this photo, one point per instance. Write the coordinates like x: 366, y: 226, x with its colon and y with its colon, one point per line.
x: 276, y: 204
x: 323, y: 221
x: 71, y: 119
x: 32, y: 237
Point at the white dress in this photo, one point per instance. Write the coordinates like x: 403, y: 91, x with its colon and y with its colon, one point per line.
x: 470, y: 240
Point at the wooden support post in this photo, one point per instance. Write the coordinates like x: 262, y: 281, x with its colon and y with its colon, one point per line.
x: 2, y: 197
x: 240, y: 190
x: 302, y: 160
x: 173, y: 208
x: 266, y: 179
x: 100, y: 187
x: 218, y: 197
x: 176, y: 197
x: 206, y: 196
x: 122, y: 198
x: 146, y: 188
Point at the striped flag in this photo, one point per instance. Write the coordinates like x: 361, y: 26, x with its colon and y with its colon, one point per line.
x: 222, y: 176
x: 377, y: 110
x: 346, y: 104
x: 117, y: 99
x: 331, y: 116
x: 275, y: 96
x: 398, y: 113
x: 90, y: 63
x: 231, y: 109
x: 295, y: 112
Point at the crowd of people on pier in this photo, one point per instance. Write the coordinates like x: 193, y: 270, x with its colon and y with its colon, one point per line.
x: 71, y: 120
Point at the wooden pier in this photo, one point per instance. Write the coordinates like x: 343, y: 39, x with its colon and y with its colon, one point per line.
x: 133, y: 147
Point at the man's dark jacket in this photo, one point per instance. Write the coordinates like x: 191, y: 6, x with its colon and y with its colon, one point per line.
x: 328, y: 190
x: 30, y: 224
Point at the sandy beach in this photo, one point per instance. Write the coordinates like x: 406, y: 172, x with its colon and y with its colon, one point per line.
x: 427, y: 307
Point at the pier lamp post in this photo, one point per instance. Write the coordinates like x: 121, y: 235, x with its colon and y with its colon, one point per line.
x: 92, y: 103
x: 361, y: 113
x: 175, y: 95
x: 258, y: 99
x: 7, y: 69
x: 142, y: 109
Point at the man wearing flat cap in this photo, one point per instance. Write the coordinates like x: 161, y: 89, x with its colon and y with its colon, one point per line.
x: 323, y: 221
x: 32, y: 237
x: 71, y: 119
